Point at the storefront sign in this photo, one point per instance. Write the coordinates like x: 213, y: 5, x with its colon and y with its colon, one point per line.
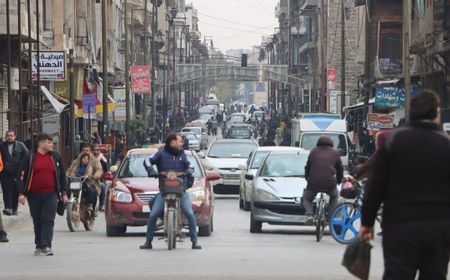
x: 376, y: 122
x: 389, y: 97
x: 334, y: 101
x: 52, y: 66
x: 89, y: 105
x: 331, y: 79
x: 140, y: 79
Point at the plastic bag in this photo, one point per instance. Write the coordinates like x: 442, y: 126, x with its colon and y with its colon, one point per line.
x: 357, y: 258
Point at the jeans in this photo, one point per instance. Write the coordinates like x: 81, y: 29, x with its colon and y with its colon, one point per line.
x: 102, y: 194
x: 10, y: 195
x: 158, y: 209
x: 309, y: 195
x: 422, y: 246
x: 43, y: 211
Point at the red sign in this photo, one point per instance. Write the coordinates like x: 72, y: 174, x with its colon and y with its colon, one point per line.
x: 331, y: 79
x: 140, y: 79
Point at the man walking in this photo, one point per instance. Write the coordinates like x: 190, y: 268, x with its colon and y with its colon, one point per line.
x: 411, y: 177
x: 43, y: 182
x: 12, y: 152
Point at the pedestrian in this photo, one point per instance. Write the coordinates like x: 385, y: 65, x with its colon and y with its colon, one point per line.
x: 95, y: 148
x: 81, y: 168
x: 12, y: 152
x: 411, y: 178
x: 42, y: 181
x: 323, y: 171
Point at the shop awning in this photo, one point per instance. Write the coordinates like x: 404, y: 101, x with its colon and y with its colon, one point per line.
x: 57, y: 105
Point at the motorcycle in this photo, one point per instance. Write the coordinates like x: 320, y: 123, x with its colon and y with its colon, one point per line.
x: 77, y: 208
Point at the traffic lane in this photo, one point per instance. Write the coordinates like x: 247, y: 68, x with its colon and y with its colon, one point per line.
x: 278, y: 253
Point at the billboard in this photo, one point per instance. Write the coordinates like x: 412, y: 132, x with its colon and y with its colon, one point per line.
x: 140, y: 79
x: 52, y: 65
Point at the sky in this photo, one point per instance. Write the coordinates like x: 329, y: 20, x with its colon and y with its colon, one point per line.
x: 236, y: 24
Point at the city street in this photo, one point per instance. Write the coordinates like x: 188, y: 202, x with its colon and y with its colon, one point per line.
x: 231, y: 252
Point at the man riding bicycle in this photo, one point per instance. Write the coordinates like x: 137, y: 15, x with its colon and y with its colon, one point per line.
x: 323, y: 171
x: 171, y: 158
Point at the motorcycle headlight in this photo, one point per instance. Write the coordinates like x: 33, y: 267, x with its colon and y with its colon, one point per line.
x: 120, y: 196
x: 265, y: 195
x: 197, y: 196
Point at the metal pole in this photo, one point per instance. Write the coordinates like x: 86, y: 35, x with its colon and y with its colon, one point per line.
x: 146, y: 62
x: 72, y: 105
x: 105, y: 74
x: 406, y: 61
x: 30, y: 76
x: 342, y: 57
x: 8, y: 38
x: 164, y: 103
x: 19, y: 59
x: 174, y: 42
x: 38, y: 91
x: 155, y: 62
x: 127, y: 78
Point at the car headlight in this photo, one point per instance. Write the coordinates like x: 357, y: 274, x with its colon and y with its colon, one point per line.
x: 120, y: 196
x: 197, y: 196
x: 265, y: 195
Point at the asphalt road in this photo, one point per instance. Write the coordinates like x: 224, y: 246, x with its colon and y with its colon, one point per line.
x: 230, y: 252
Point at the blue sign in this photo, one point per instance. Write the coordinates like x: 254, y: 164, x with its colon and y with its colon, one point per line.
x: 89, y: 103
x: 389, y: 97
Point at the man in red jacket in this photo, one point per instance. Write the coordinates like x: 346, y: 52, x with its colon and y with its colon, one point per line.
x: 43, y: 182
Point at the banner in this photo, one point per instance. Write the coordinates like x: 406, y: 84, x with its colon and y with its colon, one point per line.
x: 331, y: 79
x: 389, y: 97
x: 52, y: 66
x: 376, y: 122
x: 89, y: 106
x: 140, y: 79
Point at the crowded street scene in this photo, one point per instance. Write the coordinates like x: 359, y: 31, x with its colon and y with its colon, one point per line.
x: 240, y: 139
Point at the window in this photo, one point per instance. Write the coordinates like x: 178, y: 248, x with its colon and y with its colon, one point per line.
x: 391, y: 44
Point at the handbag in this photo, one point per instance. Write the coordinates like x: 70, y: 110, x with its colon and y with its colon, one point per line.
x: 61, y: 207
x: 357, y: 258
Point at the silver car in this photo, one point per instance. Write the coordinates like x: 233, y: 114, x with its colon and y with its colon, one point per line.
x: 278, y: 190
x: 194, y: 142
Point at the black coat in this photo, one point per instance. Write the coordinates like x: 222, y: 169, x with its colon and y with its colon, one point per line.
x: 12, y: 162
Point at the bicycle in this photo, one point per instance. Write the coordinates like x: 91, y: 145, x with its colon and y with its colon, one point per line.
x: 320, y: 215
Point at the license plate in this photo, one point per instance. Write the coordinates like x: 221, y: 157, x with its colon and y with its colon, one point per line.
x: 146, y: 209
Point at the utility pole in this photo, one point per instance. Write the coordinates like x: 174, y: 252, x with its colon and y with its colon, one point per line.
x: 8, y: 38
x: 127, y: 78
x: 406, y: 61
x: 155, y: 61
x: 19, y: 59
x: 342, y: 57
x: 38, y: 56
x: 146, y: 62
x: 105, y: 73
x: 30, y: 74
x: 72, y: 106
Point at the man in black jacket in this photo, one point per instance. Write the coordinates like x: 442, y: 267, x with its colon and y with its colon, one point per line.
x: 13, y: 152
x: 323, y: 171
x: 411, y: 177
x: 43, y: 181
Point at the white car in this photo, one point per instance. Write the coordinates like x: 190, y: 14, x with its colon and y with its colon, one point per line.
x: 202, y: 136
x: 225, y: 156
x: 251, y: 167
x: 194, y: 142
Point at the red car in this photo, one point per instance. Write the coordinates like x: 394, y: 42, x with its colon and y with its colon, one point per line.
x: 131, y: 189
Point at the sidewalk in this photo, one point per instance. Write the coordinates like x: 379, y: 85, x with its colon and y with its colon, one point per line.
x: 10, y: 222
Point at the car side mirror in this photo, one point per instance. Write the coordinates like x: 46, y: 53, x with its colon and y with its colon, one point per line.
x: 249, y: 176
x: 212, y: 176
x: 113, y: 169
x: 107, y: 176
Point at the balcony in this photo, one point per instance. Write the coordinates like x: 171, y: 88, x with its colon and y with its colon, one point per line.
x: 307, y: 7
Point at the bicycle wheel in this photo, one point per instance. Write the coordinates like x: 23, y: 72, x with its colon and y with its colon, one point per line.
x: 345, y: 223
x: 73, y: 215
x: 171, y: 234
x: 320, y: 222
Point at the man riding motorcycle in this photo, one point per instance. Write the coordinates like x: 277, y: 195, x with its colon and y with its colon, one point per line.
x: 171, y: 158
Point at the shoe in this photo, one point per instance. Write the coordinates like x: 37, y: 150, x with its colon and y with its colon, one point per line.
x: 195, y: 246
x: 15, y: 213
x: 3, y: 236
x: 309, y: 221
x: 47, y: 251
x: 147, y: 245
x: 7, y: 212
x: 38, y: 252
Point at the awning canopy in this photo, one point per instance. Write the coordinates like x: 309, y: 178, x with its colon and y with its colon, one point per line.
x: 57, y: 105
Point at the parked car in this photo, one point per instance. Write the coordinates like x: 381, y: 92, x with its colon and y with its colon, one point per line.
x: 254, y: 162
x: 201, y: 134
x: 224, y: 156
x: 194, y: 142
x: 234, y: 119
x: 131, y: 189
x: 277, y: 193
x: 240, y: 131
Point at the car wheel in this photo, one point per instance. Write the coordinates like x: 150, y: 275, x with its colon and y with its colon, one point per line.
x: 255, y: 226
x: 115, y: 230
x: 205, y: 230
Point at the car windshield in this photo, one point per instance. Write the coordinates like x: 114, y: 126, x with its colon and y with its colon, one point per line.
x: 231, y: 150
x: 133, y: 167
x: 196, y: 131
x: 240, y: 133
x: 237, y: 119
x: 205, y: 117
x: 309, y: 142
x: 191, y: 136
x: 287, y: 165
x: 258, y: 159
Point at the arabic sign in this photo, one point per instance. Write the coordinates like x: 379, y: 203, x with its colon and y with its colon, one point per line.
x: 89, y: 105
x: 52, y: 66
x: 376, y: 122
x: 334, y: 101
x: 331, y: 78
x: 390, y: 97
x: 140, y: 79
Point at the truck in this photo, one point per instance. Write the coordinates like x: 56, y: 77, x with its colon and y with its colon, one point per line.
x: 307, y: 129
